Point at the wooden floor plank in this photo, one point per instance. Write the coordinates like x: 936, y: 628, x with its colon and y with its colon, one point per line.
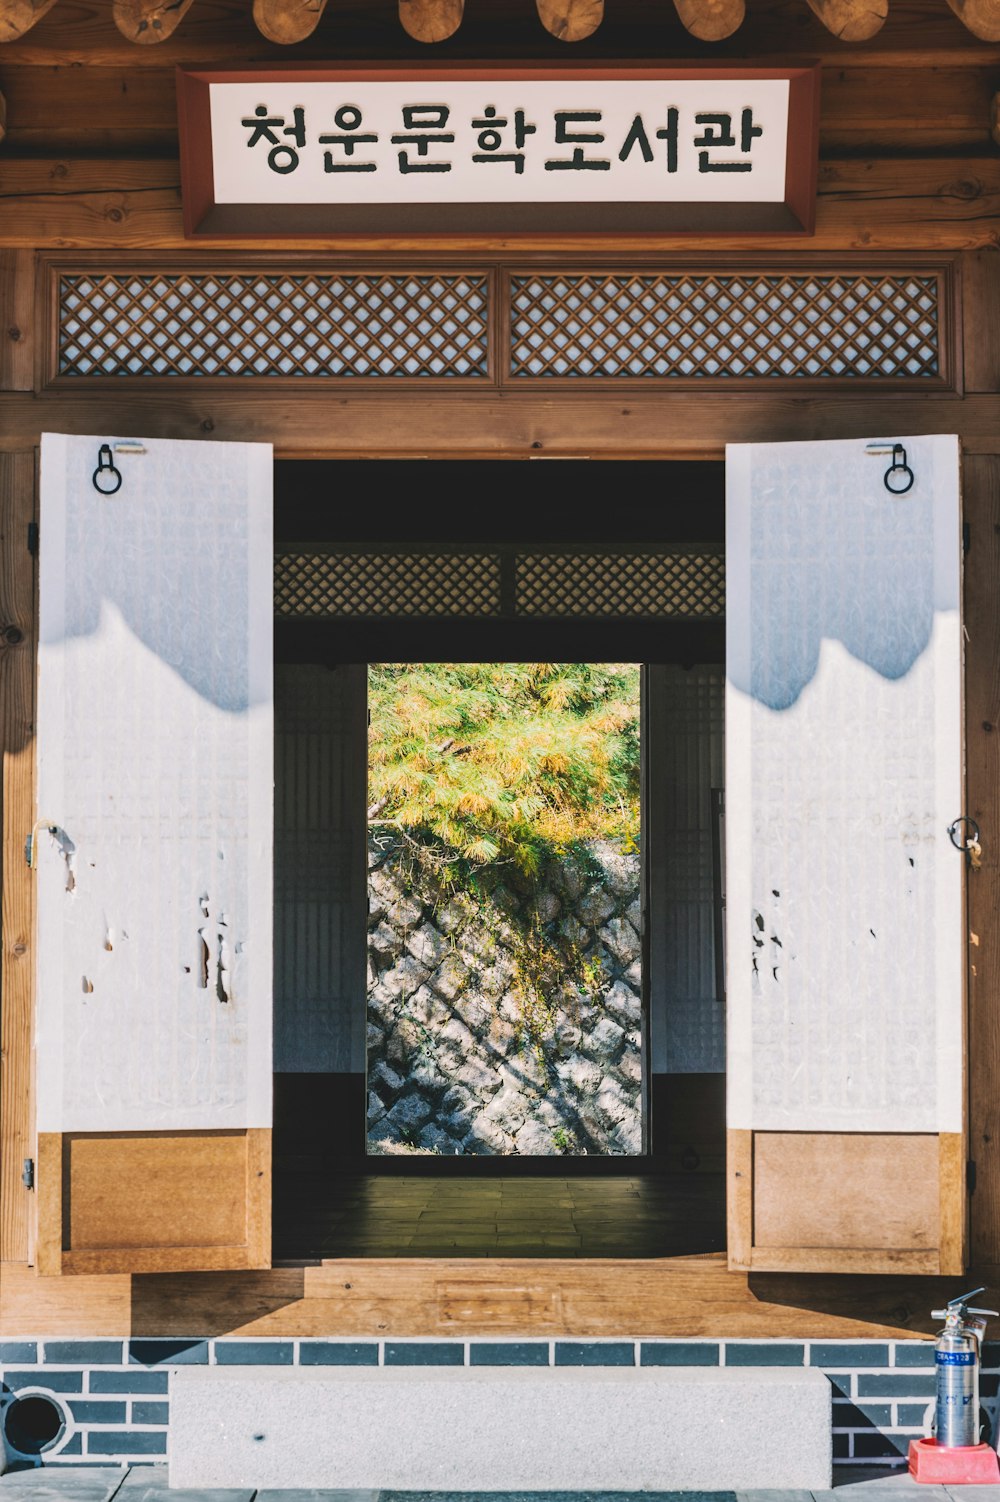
x: 644, y: 1216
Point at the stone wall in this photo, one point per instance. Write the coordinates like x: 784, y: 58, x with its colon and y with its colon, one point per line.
x: 509, y: 1021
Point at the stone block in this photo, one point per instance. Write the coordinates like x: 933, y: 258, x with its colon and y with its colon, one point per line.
x: 406, y: 976
x: 536, y: 1141
x: 623, y: 1004
x: 548, y: 907
x: 490, y: 1429
x: 509, y: 1110
x: 409, y: 1114
x: 595, y: 907
x: 621, y: 940
x: 384, y: 941
x: 433, y: 1140
x: 405, y: 913
x: 385, y: 1080
x: 150, y: 1484
x: 583, y: 1075
x: 425, y: 1007
x: 486, y: 1137
x: 427, y: 945
x: 605, y: 1042
x: 619, y: 872
x: 449, y: 978
x: 53, y: 1484
x: 452, y: 915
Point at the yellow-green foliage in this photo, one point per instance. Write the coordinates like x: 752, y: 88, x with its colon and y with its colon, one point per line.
x: 505, y: 761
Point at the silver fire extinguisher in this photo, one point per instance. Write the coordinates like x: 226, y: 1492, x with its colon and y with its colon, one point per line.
x: 956, y: 1364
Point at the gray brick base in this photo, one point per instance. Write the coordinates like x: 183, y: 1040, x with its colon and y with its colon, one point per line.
x: 115, y: 1393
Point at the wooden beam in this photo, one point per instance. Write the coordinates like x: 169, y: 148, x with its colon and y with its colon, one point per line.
x: 711, y: 20
x: 3, y: 117
x: 851, y: 20
x: 874, y: 112
x: 516, y: 424
x: 981, y: 17
x: 18, y: 17
x: 287, y: 21
x: 940, y: 204
x: 430, y: 20
x: 570, y: 20
x: 496, y: 1296
x: 149, y: 21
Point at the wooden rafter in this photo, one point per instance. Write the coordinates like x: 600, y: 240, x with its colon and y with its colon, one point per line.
x: 981, y: 17
x: 711, y: 20
x: 570, y: 20
x: 430, y: 20
x: 851, y: 20
x: 19, y: 16
x: 287, y: 21
x: 149, y: 21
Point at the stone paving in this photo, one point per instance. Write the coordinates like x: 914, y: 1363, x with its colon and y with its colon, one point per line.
x: 149, y: 1484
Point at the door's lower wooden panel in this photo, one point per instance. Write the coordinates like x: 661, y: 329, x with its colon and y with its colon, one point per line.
x: 154, y: 1201
x: 846, y: 1202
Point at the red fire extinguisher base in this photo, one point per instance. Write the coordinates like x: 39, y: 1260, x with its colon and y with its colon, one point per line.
x: 939, y: 1465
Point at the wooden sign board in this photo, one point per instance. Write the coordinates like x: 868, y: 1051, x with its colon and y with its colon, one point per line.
x: 525, y: 148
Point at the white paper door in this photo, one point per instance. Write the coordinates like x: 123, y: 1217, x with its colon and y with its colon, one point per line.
x: 845, y: 933
x: 153, y: 856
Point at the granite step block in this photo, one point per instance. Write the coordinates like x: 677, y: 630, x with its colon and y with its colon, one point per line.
x: 490, y: 1429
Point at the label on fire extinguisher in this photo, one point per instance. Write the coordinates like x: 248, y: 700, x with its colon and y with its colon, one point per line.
x: 954, y: 1358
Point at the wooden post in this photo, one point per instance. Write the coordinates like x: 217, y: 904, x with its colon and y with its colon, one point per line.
x: 981, y: 504
x: 17, y: 712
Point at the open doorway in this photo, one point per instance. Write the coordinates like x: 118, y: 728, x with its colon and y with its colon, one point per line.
x: 499, y: 581
x: 505, y: 910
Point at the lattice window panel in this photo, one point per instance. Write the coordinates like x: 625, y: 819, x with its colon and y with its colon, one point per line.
x: 379, y: 584
x: 257, y: 324
x: 791, y: 326
x: 621, y: 584
x: 471, y: 584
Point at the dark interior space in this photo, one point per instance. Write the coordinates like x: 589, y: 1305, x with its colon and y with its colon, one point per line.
x: 331, y: 1198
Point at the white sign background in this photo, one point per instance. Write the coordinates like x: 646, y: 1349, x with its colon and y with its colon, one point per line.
x: 242, y: 175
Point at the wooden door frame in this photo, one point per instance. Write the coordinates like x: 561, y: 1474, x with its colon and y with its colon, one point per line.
x: 637, y: 425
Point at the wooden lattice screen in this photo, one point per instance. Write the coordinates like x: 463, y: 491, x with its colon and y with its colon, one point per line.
x: 494, y: 324
x: 505, y: 583
x: 263, y: 324
x: 724, y: 326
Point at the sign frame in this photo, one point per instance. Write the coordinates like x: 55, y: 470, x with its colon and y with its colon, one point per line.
x: 207, y: 218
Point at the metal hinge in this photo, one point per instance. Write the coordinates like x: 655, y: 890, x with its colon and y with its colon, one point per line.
x: 970, y: 1177
x: 28, y: 1173
x: 33, y: 539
